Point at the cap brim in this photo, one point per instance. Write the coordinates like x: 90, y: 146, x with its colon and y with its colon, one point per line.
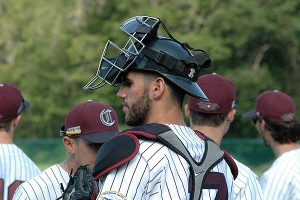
x: 99, y: 137
x: 190, y: 87
x: 26, y: 105
x: 250, y: 114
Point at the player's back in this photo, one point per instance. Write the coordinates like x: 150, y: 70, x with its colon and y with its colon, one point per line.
x: 246, y: 185
x: 15, y: 168
x: 45, y: 186
x: 281, y: 181
x: 157, y: 172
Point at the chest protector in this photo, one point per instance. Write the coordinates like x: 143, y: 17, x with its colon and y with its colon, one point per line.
x: 125, y: 146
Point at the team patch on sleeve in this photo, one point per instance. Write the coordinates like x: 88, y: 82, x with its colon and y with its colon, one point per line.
x: 108, y: 195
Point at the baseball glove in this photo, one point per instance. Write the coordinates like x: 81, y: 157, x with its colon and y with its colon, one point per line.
x: 81, y: 185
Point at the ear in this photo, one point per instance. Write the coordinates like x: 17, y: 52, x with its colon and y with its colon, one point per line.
x: 69, y: 144
x: 231, y: 114
x: 15, y: 121
x: 263, y: 125
x: 157, y: 87
x: 187, y: 111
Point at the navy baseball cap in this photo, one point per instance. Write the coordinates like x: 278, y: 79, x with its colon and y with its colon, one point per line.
x: 273, y: 106
x: 219, y: 90
x: 12, y: 102
x: 92, y: 121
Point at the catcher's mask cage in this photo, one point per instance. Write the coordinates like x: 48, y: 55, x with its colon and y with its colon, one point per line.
x: 146, y: 51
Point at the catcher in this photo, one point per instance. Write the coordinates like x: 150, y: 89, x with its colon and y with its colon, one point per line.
x: 87, y: 126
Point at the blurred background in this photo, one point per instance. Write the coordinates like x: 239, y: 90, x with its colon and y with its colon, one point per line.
x: 51, y: 49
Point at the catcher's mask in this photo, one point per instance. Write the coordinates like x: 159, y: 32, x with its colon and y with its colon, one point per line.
x: 146, y: 51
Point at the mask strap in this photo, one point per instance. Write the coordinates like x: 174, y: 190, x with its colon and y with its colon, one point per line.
x: 184, y: 44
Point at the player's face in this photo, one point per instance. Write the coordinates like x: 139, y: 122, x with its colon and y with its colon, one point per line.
x: 135, y: 96
x: 84, y: 153
x: 264, y: 134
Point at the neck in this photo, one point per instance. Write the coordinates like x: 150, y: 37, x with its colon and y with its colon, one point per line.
x: 280, y: 149
x: 6, y: 137
x: 214, y: 133
x: 69, y: 166
x: 166, y: 115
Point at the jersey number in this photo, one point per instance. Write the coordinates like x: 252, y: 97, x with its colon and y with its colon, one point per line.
x: 11, y: 189
x: 216, y: 181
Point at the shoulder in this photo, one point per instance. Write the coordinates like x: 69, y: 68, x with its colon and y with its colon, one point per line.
x: 24, y: 158
x: 244, y: 171
x: 245, y: 175
x: 41, y: 184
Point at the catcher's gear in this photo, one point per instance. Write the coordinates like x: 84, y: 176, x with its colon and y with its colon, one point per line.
x: 80, y: 186
x: 147, y: 51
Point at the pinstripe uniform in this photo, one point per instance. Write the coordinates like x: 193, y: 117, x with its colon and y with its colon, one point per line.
x: 282, y: 180
x: 246, y: 185
x: 45, y: 186
x: 156, y: 172
x: 15, y: 168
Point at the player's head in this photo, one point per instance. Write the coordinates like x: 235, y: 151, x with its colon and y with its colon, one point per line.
x: 92, y: 121
x: 87, y: 126
x: 12, y: 104
x: 221, y: 94
x: 146, y: 51
x: 273, y: 106
x: 278, y: 111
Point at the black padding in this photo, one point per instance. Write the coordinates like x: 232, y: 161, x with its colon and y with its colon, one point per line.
x: 153, y: 129
x: 113, y: 152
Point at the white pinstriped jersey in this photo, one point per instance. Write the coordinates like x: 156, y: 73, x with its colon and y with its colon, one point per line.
x: 157, y: 172
x: 15, y: 168
x: 246, y: 185
x: 45, y: 186
x: 282, y: 180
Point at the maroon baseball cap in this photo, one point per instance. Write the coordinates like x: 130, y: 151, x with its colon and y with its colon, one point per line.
x: 219, y: 90
x: 93, y: 121
x: 273, y: 106
x: 12, y: 102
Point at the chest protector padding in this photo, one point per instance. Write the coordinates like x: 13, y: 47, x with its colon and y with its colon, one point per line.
x: 125, y: 146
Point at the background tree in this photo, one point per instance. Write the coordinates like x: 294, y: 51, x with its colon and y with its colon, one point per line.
x: 51, y: 49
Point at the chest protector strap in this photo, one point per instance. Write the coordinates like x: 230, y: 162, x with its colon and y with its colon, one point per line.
x: 125, y: 146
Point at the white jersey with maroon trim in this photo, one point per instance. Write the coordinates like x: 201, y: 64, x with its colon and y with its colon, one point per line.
x: 45, y: 186
x: 282, y: 180
x: 246, y: 185
x: 15, y: 168
x: 157, y: 172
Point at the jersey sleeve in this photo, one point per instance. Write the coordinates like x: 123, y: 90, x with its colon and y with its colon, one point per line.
x: 20, y: 193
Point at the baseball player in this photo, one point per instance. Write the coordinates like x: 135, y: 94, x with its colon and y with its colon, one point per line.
x: 275, y: 119
x: 154, y: 73
x: 213, y: 118
x: 87, y: 126
x: 15, y: 166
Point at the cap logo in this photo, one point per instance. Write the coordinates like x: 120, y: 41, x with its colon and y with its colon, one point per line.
x: 288, y: 117
x: 73, y: 130
x: 208, y: 106
x: 192, y: 73
x: 106, y: 118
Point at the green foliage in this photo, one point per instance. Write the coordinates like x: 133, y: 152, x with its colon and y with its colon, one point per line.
x: 51, y: 49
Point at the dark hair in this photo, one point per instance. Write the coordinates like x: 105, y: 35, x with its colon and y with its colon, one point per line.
x: 177, y: 94
x: 284, y: 133
x: 5, y: 126
x: 207, y: 119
